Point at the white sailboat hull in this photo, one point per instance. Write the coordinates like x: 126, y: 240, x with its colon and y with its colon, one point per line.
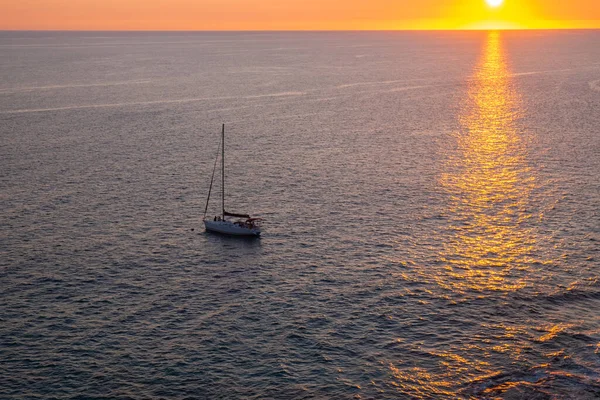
x: 230, y: 228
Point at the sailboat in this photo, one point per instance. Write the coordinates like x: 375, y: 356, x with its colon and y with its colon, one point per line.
x: 229, y: 223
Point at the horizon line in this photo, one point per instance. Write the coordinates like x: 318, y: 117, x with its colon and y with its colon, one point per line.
x: 308, y: 30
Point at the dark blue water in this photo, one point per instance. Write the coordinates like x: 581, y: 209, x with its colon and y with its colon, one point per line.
x: 430, y: 201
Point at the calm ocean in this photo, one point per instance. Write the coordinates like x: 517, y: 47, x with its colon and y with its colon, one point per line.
x: 431, y: 205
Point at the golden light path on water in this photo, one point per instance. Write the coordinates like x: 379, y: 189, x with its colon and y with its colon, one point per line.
x: 489, y: 247
x: 490, y: 183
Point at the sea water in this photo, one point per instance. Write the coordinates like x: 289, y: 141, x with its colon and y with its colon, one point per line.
x: 430, y: 204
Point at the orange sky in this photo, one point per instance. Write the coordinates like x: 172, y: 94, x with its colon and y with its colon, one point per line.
x: 295, y: 14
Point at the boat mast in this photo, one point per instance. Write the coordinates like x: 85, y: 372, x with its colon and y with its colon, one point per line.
x: 212, y: 179
x: 223, y: 170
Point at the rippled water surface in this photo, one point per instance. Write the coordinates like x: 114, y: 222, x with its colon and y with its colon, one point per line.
x: 430, y: 201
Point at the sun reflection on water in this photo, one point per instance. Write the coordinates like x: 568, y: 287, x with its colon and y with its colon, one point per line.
x: 489, y: 182
x: 489, y: 243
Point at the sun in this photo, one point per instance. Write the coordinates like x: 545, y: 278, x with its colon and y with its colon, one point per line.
x: 494, y: 3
